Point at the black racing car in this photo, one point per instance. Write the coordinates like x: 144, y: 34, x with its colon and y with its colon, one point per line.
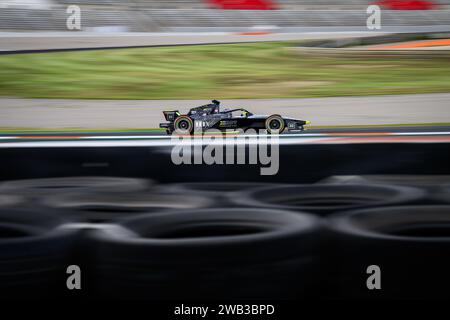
x: 209, y: 116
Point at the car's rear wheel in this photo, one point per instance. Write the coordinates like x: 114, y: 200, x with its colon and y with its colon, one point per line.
x: 275, y: 124
x: 183, y: 125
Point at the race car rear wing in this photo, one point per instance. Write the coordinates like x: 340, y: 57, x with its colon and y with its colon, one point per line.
x: 171, y: 115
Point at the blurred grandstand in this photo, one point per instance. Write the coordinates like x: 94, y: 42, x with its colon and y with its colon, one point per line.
x: 205, y: 15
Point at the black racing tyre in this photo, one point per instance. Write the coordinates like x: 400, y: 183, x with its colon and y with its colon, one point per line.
x: 105, y: 207
x: 410, y: 245
x: 36, y: 188
x: 275, y: 124
x: 10, y: 201
x: 223, y: 192
x: 215, y: 187
x: 183, y: 125
x: 441, y: 194
x: 209, y: 254
x: 326, y: 199
x: 34, y: 253
x: 418, y: 181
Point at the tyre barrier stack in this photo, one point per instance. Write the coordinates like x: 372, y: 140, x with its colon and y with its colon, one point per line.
x: 135, y: 239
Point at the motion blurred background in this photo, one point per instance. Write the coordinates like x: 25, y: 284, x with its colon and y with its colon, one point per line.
x: 79, y: 117
x: 218, y: 15
x: 259, y: 49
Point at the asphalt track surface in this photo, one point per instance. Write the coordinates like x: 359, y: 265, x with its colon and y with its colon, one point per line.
x: 432, y: 134
x: 30, y: 42
x: 128, y: 114
x: 11, y: 43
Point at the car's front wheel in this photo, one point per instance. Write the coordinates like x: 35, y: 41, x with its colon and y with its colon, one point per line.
x: 275, y: 124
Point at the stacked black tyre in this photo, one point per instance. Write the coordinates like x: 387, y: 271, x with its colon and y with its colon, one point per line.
x: 36, y: 189
x: 326, y: 199
x: 104, y: 207
x: 417, y: 181
x: 441, y: 195
x: 221, y: 193
x: 34, y: 252
x: 38, y: 242
x: 209, y: 254
x: 10, y: 201
x: 409, y: 244
x: 100, y: 199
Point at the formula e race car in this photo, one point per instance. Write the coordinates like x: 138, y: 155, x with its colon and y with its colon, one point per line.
x: 210, y: 116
